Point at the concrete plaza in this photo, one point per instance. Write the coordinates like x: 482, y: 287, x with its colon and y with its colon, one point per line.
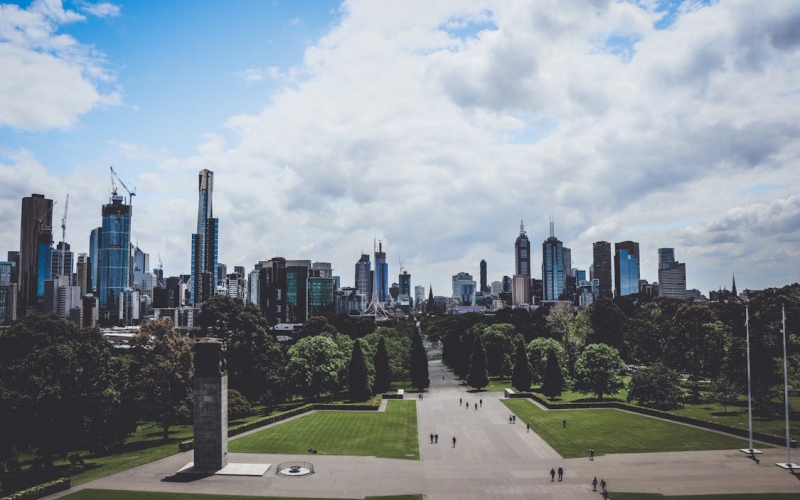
x: 492, y: 459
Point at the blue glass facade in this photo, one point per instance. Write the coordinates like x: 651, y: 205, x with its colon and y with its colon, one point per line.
x: 115, y: 255
x: 205, y: 243
x: 94, y: 255
x: 44, y: 263
x: 381, y: 274
x: 628, y: 273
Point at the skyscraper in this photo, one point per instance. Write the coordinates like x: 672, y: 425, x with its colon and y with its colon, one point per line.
x: 671, y: 274
x: 626, y: 268
x: 484, y: 284
x: 522, y: 253
x: 94, y: 258
x: 115, y: 254
x: 553, y: 270
x: 405, y: 283
x: 35, y: 227
x: 381, y: 274
x: 61, y: 260
x: 601, y: 252
x: 362, y: 279
x: 205, y: 242
x: 464, y: 289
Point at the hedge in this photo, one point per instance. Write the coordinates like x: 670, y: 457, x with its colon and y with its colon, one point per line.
x: 41, y: 490
x: 261, y: 422
x: 760, y: 436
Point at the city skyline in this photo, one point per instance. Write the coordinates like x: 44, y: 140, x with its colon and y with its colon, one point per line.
x: 623, y: 122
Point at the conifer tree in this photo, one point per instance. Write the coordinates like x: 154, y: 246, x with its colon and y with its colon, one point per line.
x: 478, y: 377
x: 553, y: 378
x: 358, y: 374
x: 383, y: 371
x: 522, y: 376
x: 419, y: 364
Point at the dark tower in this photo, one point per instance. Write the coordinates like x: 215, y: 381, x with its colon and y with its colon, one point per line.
x: 522, y: 253
x: 602, y: 268
x: 733, y: 288
x: 37, y: 219
x: 484, y: 285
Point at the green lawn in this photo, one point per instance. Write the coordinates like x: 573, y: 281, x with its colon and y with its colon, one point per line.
x: 389, y: 434
x: 736, y: 416
x: 614, y: 431
x: 149, y: 495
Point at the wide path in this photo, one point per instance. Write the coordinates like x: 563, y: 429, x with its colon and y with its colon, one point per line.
x: 492, y: 459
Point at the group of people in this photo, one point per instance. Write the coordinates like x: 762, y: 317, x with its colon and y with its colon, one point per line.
x: 603, y: 485
x: 553, y: 474
x: 461, y: 400
x: 435, y: 439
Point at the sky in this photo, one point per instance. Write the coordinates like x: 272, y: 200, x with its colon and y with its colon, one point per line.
x: 435, y: 126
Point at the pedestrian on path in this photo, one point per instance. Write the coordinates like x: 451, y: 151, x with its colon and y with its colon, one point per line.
x: 560, y: 473
x: 454, y: 441
x: 552, y: 474
x: 509, y: 419
x: 476, y: 407
x: 591, y: 453
x: 459, y: 401
x: 481, y: 402
x: 515, y: 419
x: 467, y: 405
x: 436, y: 438
x: 431, y: 438
x: 528, y: 427
x: 603, y: 485
x: 594, y: 484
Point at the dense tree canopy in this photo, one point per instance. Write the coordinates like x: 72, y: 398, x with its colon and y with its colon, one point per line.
x: 359, y: 378
x: 419, y: 364
x: 657, y: 387
x: 498, y: 341
x: 522, y: 376
x: 383, y: 370
x: 316, y: 366
x: 553, y: 383
x: 478, y: 377
x: 538, y: 350
x: 598, y: 371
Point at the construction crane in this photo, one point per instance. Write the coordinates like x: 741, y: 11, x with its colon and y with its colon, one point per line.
x: 160, y: 271
x: 63, y: 238
x: 131, y: 194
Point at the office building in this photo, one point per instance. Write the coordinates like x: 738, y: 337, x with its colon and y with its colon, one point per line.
x: 205, y: 243
x: 404, y: 284
x: 61, y: 260
x: 553, y: 268
x: 83, y: 274
x: 381, y: 274
x: 36, y: 226
x: 8, y: 293
x: 419, y: 296
x: 114, y: 258
x: 522, y: 253
x: 520, y: 290
x: 484, y: 283
x: 94, y: 258
x: 601, y: 268
x: 363, y: 278
x: 464, y: 289
x: 671, y: 274
x: 626, y: 268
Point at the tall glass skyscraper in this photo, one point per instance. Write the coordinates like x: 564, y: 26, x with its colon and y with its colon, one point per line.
x: 37, y: 219
x: 94, y: 257
x: 115, y: 256
x: 626, y: 268
x: 381, y: 274
x: 363, y: 272
x: 553, y: 271
x: 205, y: 241
x: 522, y: 253
x: 671, y: 274
x: 601, y: 251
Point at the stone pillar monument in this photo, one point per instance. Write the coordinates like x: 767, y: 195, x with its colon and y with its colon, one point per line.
x: 210, y: 406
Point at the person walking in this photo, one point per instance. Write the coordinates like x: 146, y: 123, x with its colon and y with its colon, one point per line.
x: 481, y: 402
x: 509, y: 419
x: 431, y: 438
x: 527, y: 427
x: 591, y: 453
x: 467, y: 405
x: 515, y: 419
x: 436, y: 438
x: 603, y: 485
x: 454, y: 441
x: 552, y: 474
x: 564, y: 422
x: 459, y: 401
x: 560, y: 473
x: 476, y: 407
x: 594, y: 484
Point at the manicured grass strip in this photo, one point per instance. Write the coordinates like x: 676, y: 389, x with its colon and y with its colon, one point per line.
x: 150, y: 495
x: 389, y: 434
x: 613, y: 431
x: 738, y: 496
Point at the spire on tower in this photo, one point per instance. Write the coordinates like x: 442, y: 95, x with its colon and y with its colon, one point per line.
x: 521, y: 228
x: 552, y: 227
x: 733, y: 287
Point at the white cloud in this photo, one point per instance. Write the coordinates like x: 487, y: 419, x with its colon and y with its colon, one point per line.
x: 251, y: 75
x: 102, y: 9
x: 47, y: 79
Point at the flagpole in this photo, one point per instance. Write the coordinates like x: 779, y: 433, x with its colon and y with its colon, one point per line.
x: 750, y: 450
x: 788, y: 465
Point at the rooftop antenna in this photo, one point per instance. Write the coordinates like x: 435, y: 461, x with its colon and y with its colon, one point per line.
x: 63, y: 238
x: 552, y: 227
x: 521, y: 228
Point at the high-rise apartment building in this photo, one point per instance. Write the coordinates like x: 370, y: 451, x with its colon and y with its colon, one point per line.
x: 553, y: 269
x: 381, y: 274
x: 8, y: 292
x: 61, y: 260
x: 484, y: 283
x: 82, y: 274
x: 671, y: 274
x: 36, y: 228
x: 626, y: 268
x: 601, y: 251
x: 404, y: 281
x: 522, y: 253
x: 205, y: 250
x: 94, y: 258
x: 419, y: 296
x: 520, y: 290
x: 363, y: 278
x: 114, y: 259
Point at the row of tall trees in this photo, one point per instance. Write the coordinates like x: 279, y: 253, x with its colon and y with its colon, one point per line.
x: 698, y: 340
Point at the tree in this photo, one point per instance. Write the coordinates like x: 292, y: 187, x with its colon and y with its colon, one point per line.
x: 238, y: 405
x: 538, y: 350
x: 420, y: 379
x: 522, y: 376
x: 61, y: 390
x: 358, y: 375
x: 553, y: 377
x: 608, y: 323
x: 570, y: 328
x: 315, y: 366
x: 656, y: 386
x: 597, y: 371
x: 383, y: 371
x: 498, y: 343
x: 478, y: 377
x: 724, y: 392
x: 163, y: 373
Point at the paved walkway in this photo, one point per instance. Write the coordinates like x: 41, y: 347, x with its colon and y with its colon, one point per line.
x: 492, y: 459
